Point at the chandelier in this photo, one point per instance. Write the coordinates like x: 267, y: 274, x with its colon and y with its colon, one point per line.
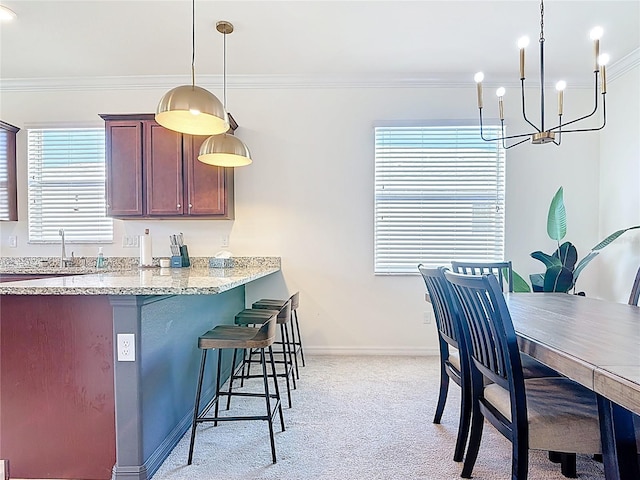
x: 540, y: 133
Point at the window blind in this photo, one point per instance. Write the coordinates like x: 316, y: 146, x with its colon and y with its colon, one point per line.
x: 439, y: 196
x: 66, y: 170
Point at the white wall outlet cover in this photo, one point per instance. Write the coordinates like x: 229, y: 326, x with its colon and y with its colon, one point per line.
x: 126, y: 347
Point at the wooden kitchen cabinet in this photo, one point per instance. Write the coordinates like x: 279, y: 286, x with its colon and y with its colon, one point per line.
x: 8, y: 182
x: 155, y: 172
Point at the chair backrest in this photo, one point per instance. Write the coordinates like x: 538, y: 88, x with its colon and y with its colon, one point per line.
x: 285, y: 312
x: 443, y: 305
x: 492, y: 338
x: 635, y: 290
x: 502, y: 270
x: 295, y: 301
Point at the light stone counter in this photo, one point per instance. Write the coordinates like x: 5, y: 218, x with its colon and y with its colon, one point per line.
x: 199, y: 280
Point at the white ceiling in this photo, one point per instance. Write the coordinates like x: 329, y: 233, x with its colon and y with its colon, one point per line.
x: 420, y: 39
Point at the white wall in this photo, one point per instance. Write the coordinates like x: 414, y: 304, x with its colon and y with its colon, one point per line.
x: 308, y: 197
x: 619, y: 186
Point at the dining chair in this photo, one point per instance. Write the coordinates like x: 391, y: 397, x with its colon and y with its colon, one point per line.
x: 454, y: 356
x: 454, y: 362
x: 635, y: 290
x: 502, y: 270
x: 536, y: 413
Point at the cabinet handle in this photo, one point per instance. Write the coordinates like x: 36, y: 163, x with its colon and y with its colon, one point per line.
x: 179, y: 206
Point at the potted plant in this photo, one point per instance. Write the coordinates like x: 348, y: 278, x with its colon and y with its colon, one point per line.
x: 562, y: 267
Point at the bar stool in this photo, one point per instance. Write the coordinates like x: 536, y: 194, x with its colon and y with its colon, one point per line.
x: 252, y: 316
x: 237, y: 337
x: 295, y: 325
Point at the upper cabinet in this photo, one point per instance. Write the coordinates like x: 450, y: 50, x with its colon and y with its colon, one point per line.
x: 8, y: 182
x: 155, y: 172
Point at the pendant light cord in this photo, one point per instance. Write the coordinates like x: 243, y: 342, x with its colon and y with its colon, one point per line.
x: 193, y: 43
x: 224, y: 70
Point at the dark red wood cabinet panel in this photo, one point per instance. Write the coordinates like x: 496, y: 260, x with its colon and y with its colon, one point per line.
x: 57, y: 408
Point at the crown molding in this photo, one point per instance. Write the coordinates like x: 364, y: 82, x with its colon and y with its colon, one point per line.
x: 146, y: 82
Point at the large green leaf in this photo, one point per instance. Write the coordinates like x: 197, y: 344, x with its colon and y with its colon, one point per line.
x: 567, y: 254
x: 548, y: 260
x: 520, y: 285
x: 537, y: 281
x: 612, y: 237
x: 558, y: 279
x: 557, y: 218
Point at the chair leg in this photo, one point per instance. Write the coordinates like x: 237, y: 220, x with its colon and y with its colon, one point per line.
x: 519, y: 460
x: 265, y: 378
x: 276, y: 387
x: 286, y: 366
x: 286, y: 350
x: 464, y: 424
x: 442, y: 396
x: 218, y: 370
x: 196, y: 407
x: 295, y: 313
x: 477, y: 421
x: 293, y: 348
x: 568, y: 465
x: 233, y: 366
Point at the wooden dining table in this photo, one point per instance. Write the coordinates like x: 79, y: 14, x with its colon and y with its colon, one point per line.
x: 597, y: 344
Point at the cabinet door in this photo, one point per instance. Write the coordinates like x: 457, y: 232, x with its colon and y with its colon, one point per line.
x: 124, y: 167
x: 209, y: 188
x: 163, y: 170
x: 8, y: 182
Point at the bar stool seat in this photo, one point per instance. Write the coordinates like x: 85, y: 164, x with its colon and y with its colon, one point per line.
x: 251, y: 316
x: 239, y: 337
x: 270, y: 303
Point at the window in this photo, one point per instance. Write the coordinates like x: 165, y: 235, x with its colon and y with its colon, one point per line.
x: 67, y: 185
x: 439, y: 196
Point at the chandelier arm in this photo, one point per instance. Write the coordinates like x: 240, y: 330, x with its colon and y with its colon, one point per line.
x: 604, y: 120
x: 501, y: 138
x: 524, y: 113
x: 595, y: 109
x: 516, y: 144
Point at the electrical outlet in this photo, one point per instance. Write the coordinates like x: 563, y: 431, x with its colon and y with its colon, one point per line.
x: 126, y: 347
x: 224, y: 241
x: 130, y: 241
x: 426, y: 317
x: 13, y: 241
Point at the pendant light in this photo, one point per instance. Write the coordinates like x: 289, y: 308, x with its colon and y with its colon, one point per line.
x: 224, y: 150
x: 189, y: 108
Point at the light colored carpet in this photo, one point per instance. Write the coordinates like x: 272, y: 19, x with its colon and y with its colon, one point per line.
x: 354, y: 418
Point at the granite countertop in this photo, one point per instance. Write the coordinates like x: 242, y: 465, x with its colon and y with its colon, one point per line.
x: 199, y: 280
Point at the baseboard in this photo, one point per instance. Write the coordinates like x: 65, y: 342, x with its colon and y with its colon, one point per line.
x: 379, y: 351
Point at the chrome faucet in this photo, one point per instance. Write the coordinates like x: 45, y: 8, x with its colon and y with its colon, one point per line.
x: 63, y: 254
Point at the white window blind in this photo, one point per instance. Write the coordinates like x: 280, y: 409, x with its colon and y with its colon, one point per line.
x: 67, y: 185
x: 439, y: 196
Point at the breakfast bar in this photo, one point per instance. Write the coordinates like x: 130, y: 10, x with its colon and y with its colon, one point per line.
x: 98, y: 371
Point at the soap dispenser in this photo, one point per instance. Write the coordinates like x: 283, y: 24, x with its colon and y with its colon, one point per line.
x: 100, y: 259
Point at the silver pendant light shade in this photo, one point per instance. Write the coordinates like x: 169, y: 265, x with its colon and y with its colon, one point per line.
x: 193, y: 110
x: 224, y: 151
x: 189, y: 108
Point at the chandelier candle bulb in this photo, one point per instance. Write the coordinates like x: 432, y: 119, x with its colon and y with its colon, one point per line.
x: 522, y: 44
x: 560, y: 86
x: 500, y: 93
x: 596, y: 34
x: 478, y: 77
x: 602, y: 61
